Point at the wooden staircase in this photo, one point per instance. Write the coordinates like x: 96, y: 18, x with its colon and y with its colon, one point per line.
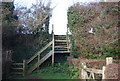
x: 60, y: 45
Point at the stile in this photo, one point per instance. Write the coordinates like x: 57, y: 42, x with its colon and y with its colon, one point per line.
x: 103, y: 72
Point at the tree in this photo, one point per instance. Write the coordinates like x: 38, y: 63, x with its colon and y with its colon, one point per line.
x: 35, y: 18
x: 9, y: 23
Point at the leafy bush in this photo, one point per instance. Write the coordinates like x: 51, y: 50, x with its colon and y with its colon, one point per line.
x: 73, y: 72
x: 102, y: 17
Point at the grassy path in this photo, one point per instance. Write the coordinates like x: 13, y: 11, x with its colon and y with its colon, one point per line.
x: 59, y: 71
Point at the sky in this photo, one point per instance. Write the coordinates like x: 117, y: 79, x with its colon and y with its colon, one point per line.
x: 59, y: 14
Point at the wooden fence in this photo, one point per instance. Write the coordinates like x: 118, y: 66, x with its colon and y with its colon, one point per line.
x: 19, y: 68
x: 89, y: 73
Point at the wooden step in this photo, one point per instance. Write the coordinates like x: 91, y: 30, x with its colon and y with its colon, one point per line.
x: 17, y: 63
x: 61, y: 47
x: 17, y: 68
x: 60, y: 35
x: 61, y: 41
x: 61, y: 51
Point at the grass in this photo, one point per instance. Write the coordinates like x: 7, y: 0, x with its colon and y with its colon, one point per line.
x: 45, y: 75
x: 50, y: 75
x: 59, y: 71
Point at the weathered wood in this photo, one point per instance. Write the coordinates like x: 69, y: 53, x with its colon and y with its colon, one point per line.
x: 109, y: 60
x: 24, y: 67
x: 53, y: 46
x: 96, y: 71
x: 62, y: 41
x: 61, y: 47
x: 84, y: 74
x: 93, y: 75
x: 39, y: 52
x: 18, y: 68
x: 85, y: 70
x: 17, y: 63
x: 103, y: 72
x: 67, y: 39
x: 62, y: 52
x: 40, y: 62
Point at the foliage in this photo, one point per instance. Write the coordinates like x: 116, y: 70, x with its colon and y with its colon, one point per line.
x: 25, y: 46
x: 103, y: 18
x: 8, y: 24
x: 74, y: 74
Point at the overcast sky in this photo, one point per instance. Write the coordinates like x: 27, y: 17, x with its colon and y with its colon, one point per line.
x: 59, y: 15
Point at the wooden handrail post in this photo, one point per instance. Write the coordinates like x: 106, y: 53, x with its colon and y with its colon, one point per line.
x: 38, y: 62
x: 53, y: 44
x: 67, y: 40
x: 24, y: 67
x: 109, y: 60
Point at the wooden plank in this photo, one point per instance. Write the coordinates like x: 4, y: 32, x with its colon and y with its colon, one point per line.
x: 53, y: 46
x: 103, y: 73
x: 60, y: 35
x: 24, y: 67
x: 40, y: 62
x: 62, y: 40
x: 61, y: 47
x: 17, y: 68
x: 62, y: 52
x: 39, y: 52
x: 96, y: 71
x: 67, y: 39
x: 17, y: 63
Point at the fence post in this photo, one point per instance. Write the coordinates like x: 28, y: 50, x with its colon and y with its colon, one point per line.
x: 83, y: 72
x: 103, y: 72
x: 67, y: 40
x: 109, y: 60
x: 53, y: 44
x: 24, y: 67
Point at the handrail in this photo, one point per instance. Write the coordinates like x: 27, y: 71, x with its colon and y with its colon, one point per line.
x: 96, y: 71
x: 40, y: 62
x: 92, y: 71
x: 39, y: 52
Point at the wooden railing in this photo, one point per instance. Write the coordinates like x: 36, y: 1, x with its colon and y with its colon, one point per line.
x: 37, y: 64
x: 20, y: 68
x: 89, y: 73
x: 39, y: 52
x: 68, y: 40
x: 40, y: 61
